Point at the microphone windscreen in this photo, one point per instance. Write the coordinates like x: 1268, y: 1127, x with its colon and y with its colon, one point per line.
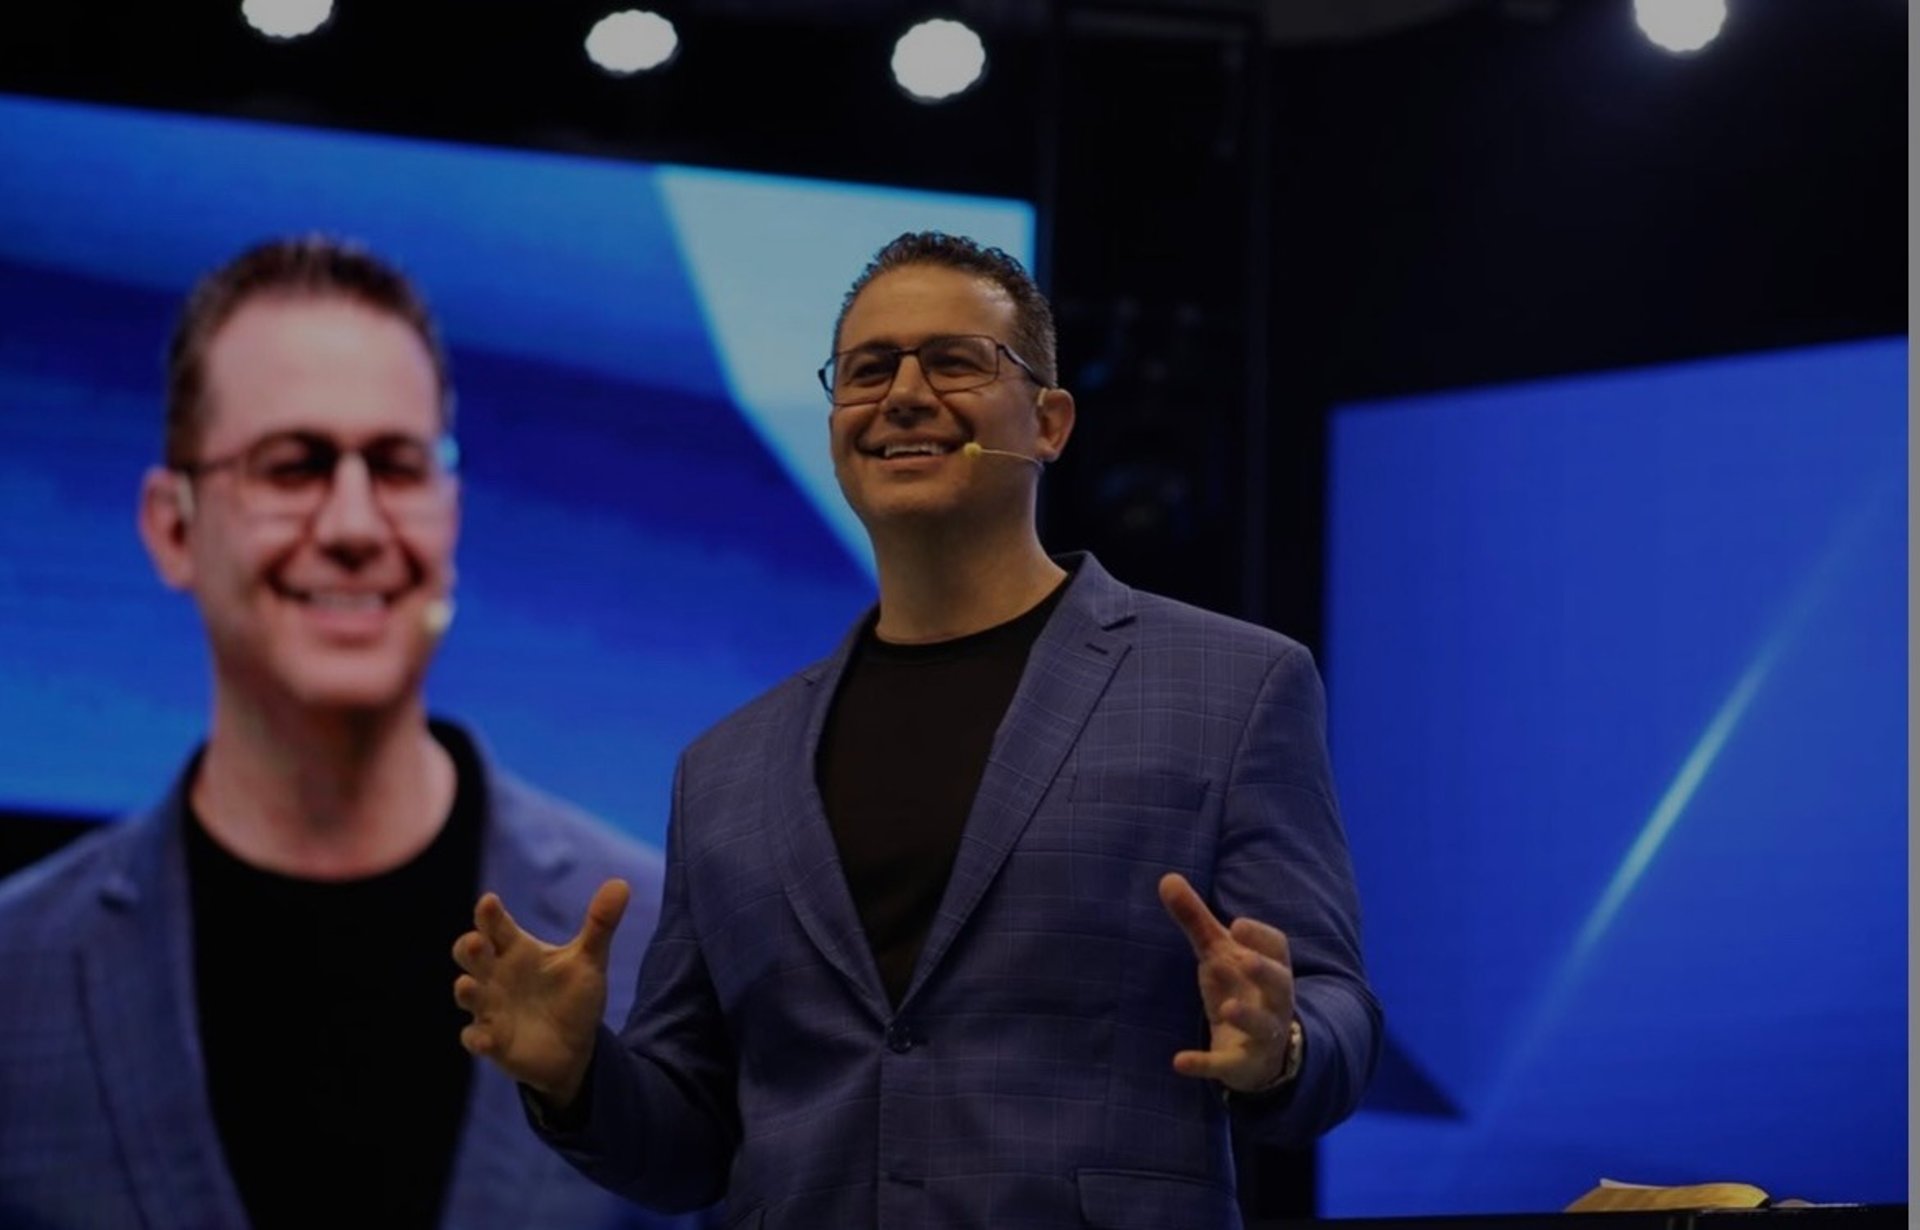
x: 438, y: 616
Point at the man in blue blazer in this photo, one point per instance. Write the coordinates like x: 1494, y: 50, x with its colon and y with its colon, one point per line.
x: 229, y: 1011
x: 941, y: 944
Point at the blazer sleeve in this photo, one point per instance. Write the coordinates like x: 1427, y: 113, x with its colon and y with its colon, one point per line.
x: 661, y: 1122
x: 1283, y: 860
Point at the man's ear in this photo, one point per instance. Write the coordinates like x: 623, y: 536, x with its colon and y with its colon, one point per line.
x: 1054, y: 410
x: 165, y: 517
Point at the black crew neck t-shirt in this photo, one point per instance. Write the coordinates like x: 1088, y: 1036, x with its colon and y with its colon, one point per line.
x: 327, y: 1023
x: 900, y: 760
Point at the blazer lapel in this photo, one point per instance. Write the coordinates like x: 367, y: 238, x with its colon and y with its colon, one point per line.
x: 1067, y: 671
x: 815, y: 883
x: 136, y: 980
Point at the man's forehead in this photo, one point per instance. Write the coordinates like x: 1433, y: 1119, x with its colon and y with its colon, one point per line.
x: 905, y: 306
x: 324, y: 365
x: 299, y: 323
x: 244, y: 426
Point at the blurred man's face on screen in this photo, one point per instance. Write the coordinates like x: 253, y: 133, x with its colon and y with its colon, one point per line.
x: 322, y: 515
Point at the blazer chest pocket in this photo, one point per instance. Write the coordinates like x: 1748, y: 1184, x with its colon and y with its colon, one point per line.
x: 1120, y: 820
x: 1122, y: 788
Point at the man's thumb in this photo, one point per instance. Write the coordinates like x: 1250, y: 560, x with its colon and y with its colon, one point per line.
x: 603, y: 917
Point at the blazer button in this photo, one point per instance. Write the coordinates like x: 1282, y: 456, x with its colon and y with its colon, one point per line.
x: 899, y: 1038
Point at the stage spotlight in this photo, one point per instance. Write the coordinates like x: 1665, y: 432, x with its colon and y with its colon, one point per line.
x: 937, y: 60
x: 1681, y: 25
x: 285, y: 19
x: 632, y: 41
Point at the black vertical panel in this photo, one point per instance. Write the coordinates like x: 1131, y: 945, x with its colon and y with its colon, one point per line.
x: 1159, y: 276
x: 1150, y: 276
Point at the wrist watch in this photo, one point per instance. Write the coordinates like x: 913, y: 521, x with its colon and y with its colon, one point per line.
x: 1290, y: 1065
x: 1296, y: 1053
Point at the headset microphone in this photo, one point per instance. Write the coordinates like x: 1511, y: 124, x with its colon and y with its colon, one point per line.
x: 973, y: 449
x: 437, y: 616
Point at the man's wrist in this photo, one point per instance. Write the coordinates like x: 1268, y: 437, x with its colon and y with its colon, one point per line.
x: 1290, y: 1063
x: 558, y: 1111
x: 561, y: 1118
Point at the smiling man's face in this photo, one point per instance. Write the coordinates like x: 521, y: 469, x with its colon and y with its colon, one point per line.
x: 899, y: 458
x: 328, y: 610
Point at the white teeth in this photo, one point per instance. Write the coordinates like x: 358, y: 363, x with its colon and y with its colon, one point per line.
x: 913, y: 450
x: 336, y: 601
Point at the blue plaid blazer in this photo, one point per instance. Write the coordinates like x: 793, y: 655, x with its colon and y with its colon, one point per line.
x: 1025, y: 1080
x: 104, y: 1116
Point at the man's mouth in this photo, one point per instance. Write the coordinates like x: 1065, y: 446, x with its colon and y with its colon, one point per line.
x: 911, y: 448
x: 355, y: 600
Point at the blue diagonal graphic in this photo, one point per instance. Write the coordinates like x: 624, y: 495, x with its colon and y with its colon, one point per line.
x: 1843, y: 552
x: 772, y: 332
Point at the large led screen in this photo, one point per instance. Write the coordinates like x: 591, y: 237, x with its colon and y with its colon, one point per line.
x: 652, y: 534
x: 1617, y: 672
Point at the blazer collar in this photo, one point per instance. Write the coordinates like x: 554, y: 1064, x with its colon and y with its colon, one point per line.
x: 1093, y: 598
x: 136, y: 981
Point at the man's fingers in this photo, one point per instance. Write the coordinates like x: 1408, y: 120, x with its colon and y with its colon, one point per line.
x: 1205, y: 1065
x: 1273, y: 980
x: 491, y: 919
x: 1244, y: 975
x: 477, y: 1039
x: 472, y: 953
x: 1263, y: 939
x: 466, y: 992
x: 1240, y: 1072
x: 1262, y: 1024
x: 1231, y: 1062
x: 1202, y: 929
x: 1246, y: 981
x: 603, y: 916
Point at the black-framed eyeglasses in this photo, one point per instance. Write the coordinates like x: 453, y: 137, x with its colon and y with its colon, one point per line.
x: 288, y: 475
x: 948, y: 363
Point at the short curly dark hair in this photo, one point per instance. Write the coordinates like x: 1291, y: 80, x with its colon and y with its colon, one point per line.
x: 1034, y: 338
x: 318, y: 266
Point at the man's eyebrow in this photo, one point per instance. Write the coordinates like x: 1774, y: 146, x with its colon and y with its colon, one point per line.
x: 320, y: 436
x: 893, y: 341
x: 296, y: 435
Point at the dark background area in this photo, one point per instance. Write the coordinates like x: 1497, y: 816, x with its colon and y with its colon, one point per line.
x: 1250, y: 212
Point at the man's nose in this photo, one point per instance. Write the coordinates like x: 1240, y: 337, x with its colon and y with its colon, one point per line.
x: 909, y: 394
x: 350, y: 519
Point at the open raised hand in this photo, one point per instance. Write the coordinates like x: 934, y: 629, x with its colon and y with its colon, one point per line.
x: 1246, y: 983
x: 536, y: 1006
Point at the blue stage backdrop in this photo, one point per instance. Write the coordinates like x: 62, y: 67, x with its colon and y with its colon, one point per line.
x: 652, y: 532
x: 1617, y: 667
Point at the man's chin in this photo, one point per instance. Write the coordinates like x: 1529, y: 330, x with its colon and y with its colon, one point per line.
x: 907, y: 506
x: 368, y: 689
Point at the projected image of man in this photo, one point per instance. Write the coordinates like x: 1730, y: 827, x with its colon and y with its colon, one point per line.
x: 228, y: 1011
